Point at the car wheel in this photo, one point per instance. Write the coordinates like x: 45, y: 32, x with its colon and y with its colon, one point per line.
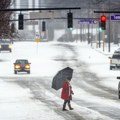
x: 15, y: 72
x: 111, y: 67
x: 28, y: 72
x: 118, y: 94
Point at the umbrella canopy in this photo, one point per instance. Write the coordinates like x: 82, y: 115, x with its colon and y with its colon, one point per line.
x: 62, y: 75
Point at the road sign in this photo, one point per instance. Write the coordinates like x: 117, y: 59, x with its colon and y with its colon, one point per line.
x: 37, y: 40
x: 46, y: 14
x: 87, y: 21
x: 31, y: 22
x: 115, y: 17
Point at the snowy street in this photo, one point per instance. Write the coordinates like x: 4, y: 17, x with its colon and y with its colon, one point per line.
x: 30, y: 96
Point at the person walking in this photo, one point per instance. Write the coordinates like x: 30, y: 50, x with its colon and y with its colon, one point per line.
x: 66, y: 94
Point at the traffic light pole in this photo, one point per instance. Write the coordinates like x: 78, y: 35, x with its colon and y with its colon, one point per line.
x: 99, y: 40
x: 109, y: 31
x: 103, y: 40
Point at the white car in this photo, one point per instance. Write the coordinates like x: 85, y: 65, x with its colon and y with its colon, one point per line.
x: 115, y: 61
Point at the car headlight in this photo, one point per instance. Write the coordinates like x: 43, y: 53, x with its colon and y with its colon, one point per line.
x: 0, y: 46
x: 10, y: 46
x: 17, y: 66
x: 27, y: 66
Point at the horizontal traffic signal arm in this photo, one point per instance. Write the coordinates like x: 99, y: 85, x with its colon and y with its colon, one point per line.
x: 107, y: 11
x: 33, y: 9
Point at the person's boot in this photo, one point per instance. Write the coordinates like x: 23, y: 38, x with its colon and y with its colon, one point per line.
x: 69, y: 105
x: 64, y: 109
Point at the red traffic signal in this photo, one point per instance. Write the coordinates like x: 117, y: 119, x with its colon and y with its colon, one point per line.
x: 103, y: 18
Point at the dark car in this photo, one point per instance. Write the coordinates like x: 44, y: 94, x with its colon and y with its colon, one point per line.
x: 22, y: 65
x: 5, y: 45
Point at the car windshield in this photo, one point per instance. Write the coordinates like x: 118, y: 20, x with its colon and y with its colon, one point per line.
x: 116, y: 56
x: 22, y: 61
x: 5, y: 41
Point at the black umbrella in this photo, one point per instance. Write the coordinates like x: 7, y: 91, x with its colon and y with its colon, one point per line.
x: 62, y: 75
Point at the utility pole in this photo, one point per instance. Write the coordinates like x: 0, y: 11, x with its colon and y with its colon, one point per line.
x: 33, y: 5
x: 103, y: 40
x: 109, y: 31
x: 88, y: 26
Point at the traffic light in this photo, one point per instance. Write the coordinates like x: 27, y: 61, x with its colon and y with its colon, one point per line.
x: 103, y: 22
x: 69, y: 20
x: 43, y: 26
x: 21, y: 22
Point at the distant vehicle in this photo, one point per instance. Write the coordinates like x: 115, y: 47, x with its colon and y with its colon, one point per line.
x: 115, y: 61
x: 117, y: 51
x: 21, y: 65
x: 119, y: 90
x: 5, y: 45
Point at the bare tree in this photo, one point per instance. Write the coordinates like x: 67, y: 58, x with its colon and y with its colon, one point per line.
x: 5, y: 27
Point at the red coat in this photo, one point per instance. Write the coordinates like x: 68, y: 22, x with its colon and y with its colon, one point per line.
x: 67, y: 92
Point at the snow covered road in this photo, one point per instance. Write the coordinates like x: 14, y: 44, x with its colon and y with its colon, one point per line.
x: 31, y: 97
